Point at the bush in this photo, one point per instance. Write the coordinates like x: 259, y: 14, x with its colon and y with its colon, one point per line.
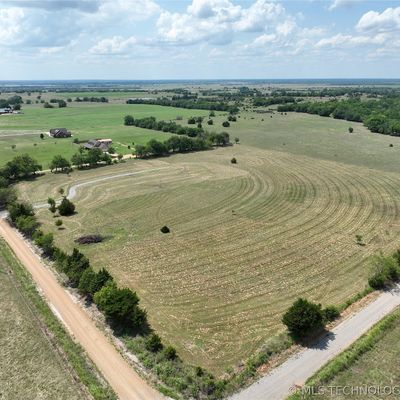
x: 91, y: 282
x: 120, y: 306
x: 27, y: 224
x: 129, y: 120
x: 66, y: 207
x: 385, y: 272
x: 153, y: 343
x: 170, y: 353
x: 45, y: 242
x: 7, y: 197
x: 351, y: 129
x: 210, y: 122
x: 16, y: 210
x: 58, y: 223
x: 165, y: 229
x: 233, y: 160
x: 303, y: 318
x: 226, y: 124
x: 331, y: 313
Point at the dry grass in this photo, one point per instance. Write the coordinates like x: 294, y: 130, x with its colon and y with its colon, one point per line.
x: 30, y: 367
x: 245, y: 241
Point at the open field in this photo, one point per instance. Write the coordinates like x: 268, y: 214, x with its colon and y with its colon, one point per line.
x: 30, y: 366
x: 246, y: 239
x: 86, y: 121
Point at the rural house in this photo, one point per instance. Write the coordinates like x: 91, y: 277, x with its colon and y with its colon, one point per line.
x: 60, y: 133
x: 102, y: 144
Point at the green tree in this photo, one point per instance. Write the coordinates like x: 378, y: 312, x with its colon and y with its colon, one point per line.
x: 66, y: 207
x: 59, y: 163
x: 129, y: 120
x: 303, y: 318
x: 27, y: 224
x: 45, y: 242
x: 8, y: 196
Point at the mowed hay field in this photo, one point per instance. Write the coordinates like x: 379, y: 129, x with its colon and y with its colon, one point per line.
x: 30, y: 368
x: 246, y: 240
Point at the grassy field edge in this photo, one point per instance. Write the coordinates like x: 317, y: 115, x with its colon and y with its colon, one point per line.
x: 348, y: 357
x: 75, y: 355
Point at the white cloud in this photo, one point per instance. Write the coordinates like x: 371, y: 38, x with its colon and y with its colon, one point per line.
x: 387, y: 20
x: 342, y: 3
x: 343, y: 41
x: 216, y: 21
x: 10, y: 20
x: 114, y: 45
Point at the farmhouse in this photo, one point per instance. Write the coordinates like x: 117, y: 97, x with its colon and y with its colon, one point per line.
x: 102, y: 144
x: 60, y: 133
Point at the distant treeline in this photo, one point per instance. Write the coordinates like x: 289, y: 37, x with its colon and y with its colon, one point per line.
x: 181, y: 102
x: 269, y: 101
x: 380, y: 115
x: 92, y: 99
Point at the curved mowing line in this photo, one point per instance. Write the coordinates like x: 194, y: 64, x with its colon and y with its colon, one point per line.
x: 73, y: 189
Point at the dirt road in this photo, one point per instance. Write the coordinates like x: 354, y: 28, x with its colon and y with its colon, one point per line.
x: 122, y: 378
x: 277, y: 385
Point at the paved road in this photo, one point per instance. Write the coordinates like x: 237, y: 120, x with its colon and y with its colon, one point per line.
x: 120, y: 375
x: 300, y: 367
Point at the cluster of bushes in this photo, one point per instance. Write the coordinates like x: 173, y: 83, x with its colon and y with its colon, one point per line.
x: 381, y: 115
x: 164, y: 126
x: 181, y: 144
x: 386, y: 271
x: 61, y: 103
x: 11, y: 102
x: 90, y: 158
x: 200, y: 104
x: 305, y: 318
x: 92, y: 99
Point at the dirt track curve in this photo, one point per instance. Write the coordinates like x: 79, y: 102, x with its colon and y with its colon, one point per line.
x: 127, y: 384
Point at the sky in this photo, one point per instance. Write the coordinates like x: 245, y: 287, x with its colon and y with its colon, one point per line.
x: 199, y: 39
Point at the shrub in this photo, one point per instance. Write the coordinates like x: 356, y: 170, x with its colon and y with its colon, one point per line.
x: 120, y: 306
x: 66, y: 207
x: 226, y: 124
x: 210, y: 122
x: 27, y: 224
x: 165, y: 229
x: 351, y: 129
x: 170, y: 353
x: 153, y: 343
x: 385, y: 272
x: 233, y: 160
x: 331, y: 313
x: 58, y: 223
x: 303, y: 318
x: 16, y: 210
x: 45, y: 242
x: 191, y: 121
x: 129, y: 120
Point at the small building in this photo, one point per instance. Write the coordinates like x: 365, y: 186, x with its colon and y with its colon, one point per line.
x: 6, y: 110
x: 60, y: 133
x: 102, y: 144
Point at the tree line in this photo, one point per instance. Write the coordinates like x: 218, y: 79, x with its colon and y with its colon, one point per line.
x: 181, y: 144
x: 380, y: 115
x: 200, y: 104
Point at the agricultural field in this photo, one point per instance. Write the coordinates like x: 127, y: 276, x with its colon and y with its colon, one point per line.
x: 30, y: 368
x: 246, y: 239
x: 85, y: 121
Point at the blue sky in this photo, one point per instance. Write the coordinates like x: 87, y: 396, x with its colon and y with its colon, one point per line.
x: 199, y: 39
